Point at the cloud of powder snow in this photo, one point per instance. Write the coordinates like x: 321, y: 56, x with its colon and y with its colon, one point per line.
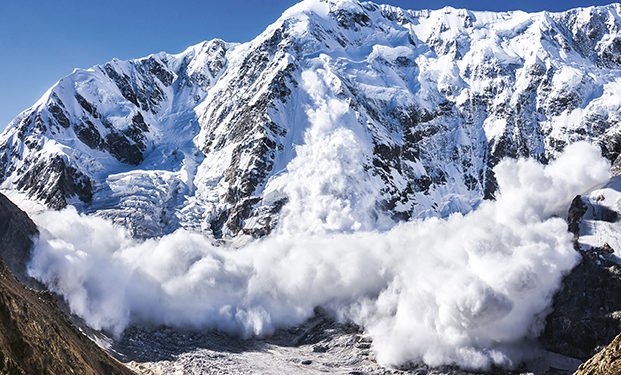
x: 462, y: 290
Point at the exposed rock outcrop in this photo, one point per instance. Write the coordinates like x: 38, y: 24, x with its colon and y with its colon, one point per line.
x: 16, y: 235
x: 606, y: 362
x: 587, y: 309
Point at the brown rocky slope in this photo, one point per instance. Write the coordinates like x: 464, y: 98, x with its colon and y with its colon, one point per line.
x: 606, y: 362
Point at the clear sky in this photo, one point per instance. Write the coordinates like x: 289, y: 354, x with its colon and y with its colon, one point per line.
x: 43, y: 40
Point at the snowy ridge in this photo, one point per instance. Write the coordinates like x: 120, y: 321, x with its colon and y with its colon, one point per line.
x: 383, y: 113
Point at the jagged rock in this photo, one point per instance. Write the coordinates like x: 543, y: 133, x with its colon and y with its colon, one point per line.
x: 606, y: 362
x: 577, y: 209
x: 16, y: 238
x: 54, y: 182
x: 586, y: 311
x: 615, y: 169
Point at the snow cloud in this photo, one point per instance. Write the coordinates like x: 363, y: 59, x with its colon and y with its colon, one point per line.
x: 463, y: 290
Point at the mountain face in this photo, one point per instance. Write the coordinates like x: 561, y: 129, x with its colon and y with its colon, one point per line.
x: 409, y: 109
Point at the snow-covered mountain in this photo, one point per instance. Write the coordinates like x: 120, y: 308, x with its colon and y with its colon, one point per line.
x: 384, y: 113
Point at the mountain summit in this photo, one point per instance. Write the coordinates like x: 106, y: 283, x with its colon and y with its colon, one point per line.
x: 385, y: 113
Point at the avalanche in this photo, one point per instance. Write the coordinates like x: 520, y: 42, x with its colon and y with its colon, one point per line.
x: 465, y: 290
x: 358, y: 157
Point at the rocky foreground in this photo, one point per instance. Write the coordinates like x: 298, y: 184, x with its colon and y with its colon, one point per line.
x: 606, y: 362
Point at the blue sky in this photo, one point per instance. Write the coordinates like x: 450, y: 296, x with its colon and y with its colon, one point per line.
x: 41, y: 41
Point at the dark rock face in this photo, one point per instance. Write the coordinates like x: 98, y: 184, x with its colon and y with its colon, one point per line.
x: 123, y: 150
x: 36, y: 337
x: 16, y: 234
x: 58, y: 112
x: 615, y: 169
x: 126, y: 146
x: 587, y: 310
x: 87, y: 133
x: 53, y: 181
x: 577, y: 209
x: 144, y: 91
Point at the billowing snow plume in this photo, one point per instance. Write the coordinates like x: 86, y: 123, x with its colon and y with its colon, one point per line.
x: 326, y: 184
x: 464, y: 291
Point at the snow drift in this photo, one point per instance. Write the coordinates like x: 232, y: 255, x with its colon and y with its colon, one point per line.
x: 465, y: 290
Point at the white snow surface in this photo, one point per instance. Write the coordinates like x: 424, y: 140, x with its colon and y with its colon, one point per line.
x: 595, y: 230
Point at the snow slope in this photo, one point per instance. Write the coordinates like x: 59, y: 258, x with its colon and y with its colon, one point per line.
x: 378, y: 113
x: 601, y: 222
